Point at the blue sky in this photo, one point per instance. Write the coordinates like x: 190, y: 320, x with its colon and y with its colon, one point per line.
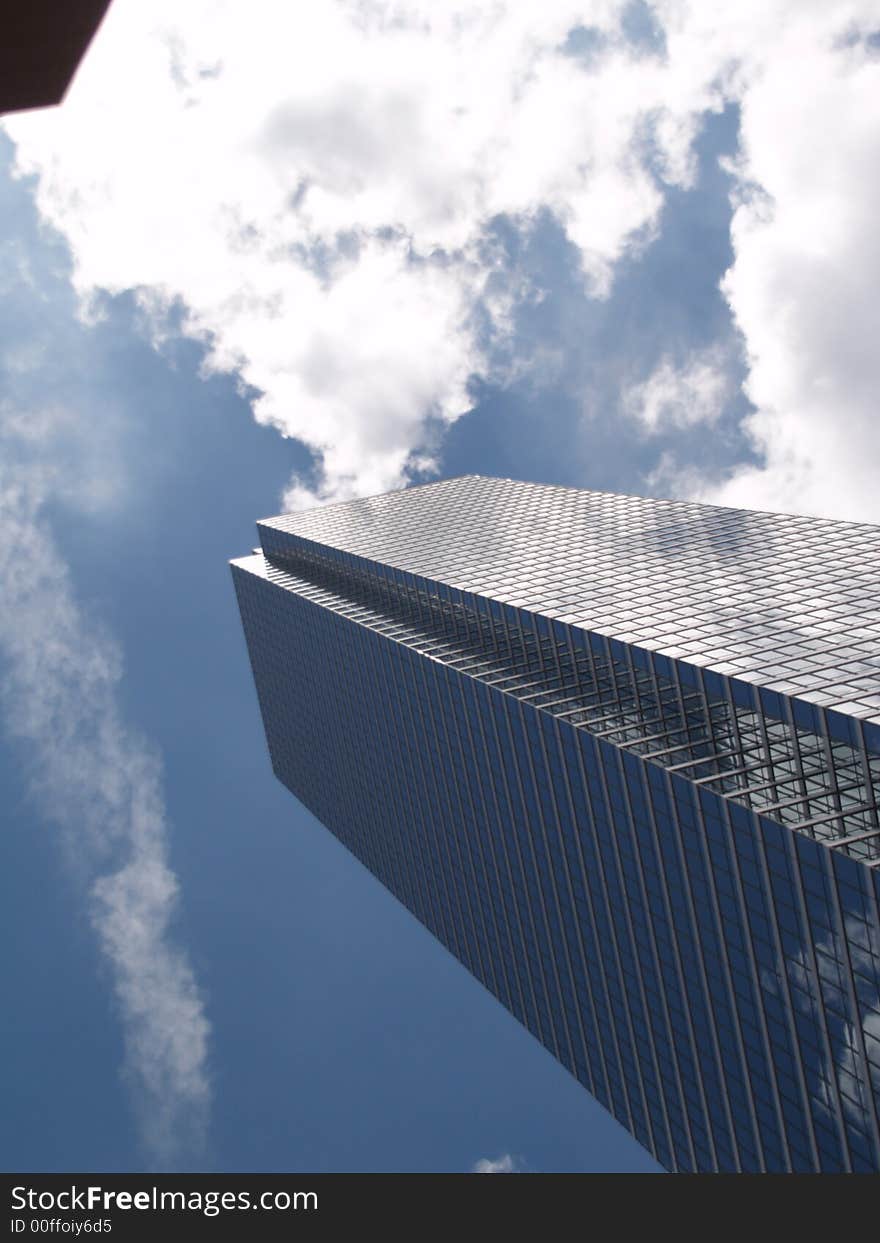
x: 255, y: 266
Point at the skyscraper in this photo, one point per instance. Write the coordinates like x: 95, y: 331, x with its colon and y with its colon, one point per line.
x: 622, y: 757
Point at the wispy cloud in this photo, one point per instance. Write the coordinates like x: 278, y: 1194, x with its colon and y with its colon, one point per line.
x: 505, y: 1164
x: 100, y: 783
x: 681, y: 396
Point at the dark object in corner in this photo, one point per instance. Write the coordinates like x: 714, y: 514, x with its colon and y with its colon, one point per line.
x: 43, y: 43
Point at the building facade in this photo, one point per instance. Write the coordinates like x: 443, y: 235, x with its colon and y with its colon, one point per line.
x: 622, y: 757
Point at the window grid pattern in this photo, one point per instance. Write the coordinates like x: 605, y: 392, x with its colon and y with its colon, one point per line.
x: 536, y: 796
x: 825, y: 787
x: 786, y: 602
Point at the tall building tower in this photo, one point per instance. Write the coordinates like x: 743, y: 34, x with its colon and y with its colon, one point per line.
x: 622, y: 757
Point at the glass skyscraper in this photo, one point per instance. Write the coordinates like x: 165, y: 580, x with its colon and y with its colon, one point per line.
x: 622, y: 757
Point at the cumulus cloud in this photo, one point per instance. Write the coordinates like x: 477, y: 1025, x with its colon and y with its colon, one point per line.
x: 317, y: 185
x: 681, y: 396
x: 100, y: 783
x: 802, y: 287
x: 505, y: 1164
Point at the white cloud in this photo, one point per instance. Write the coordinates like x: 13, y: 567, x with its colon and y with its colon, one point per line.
x: 803, y: 285
x: 500, y: 1165
x: 681, y: 396
x: 316, y: 182
x: 100, y: 783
